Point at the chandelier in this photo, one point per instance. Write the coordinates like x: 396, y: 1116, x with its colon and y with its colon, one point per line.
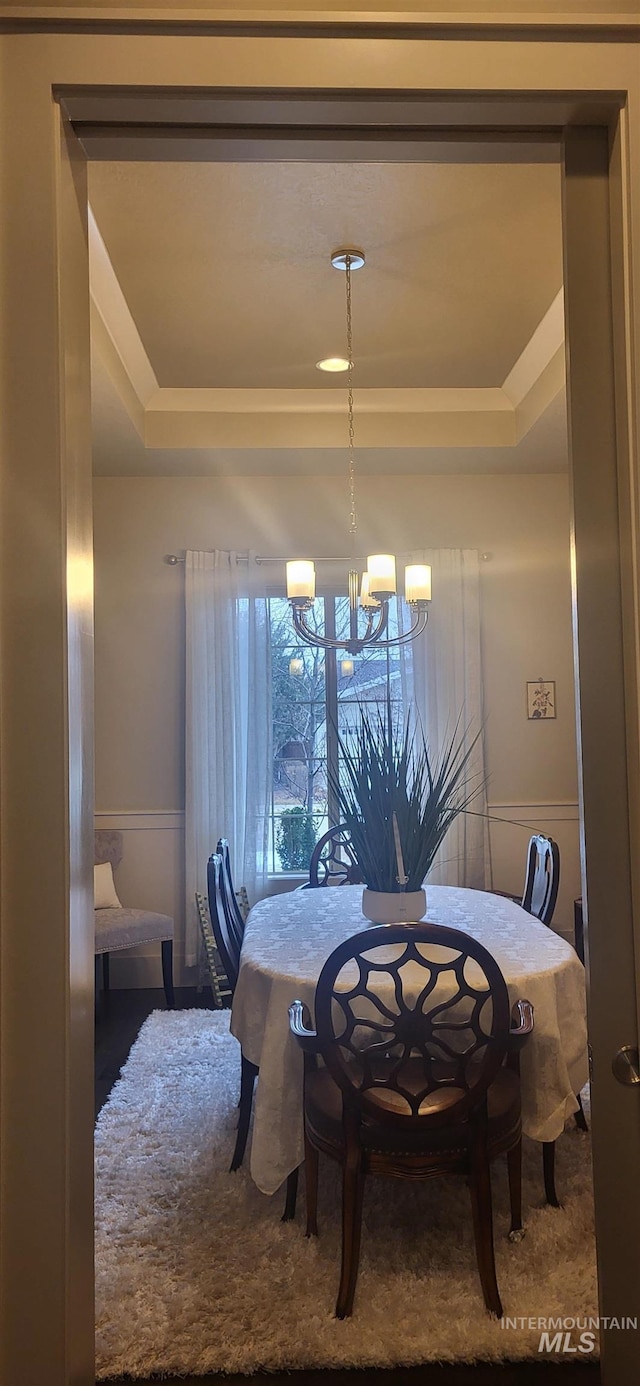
x: 371, y: 591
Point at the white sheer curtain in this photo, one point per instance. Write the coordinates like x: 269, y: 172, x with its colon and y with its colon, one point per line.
x: 228, y: 724
x: 447, y: 681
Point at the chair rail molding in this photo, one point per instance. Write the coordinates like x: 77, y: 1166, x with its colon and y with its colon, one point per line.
x: 551, y: 811
x: 140, y: 820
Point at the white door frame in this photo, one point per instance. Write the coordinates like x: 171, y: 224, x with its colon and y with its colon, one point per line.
x: 47, y: 1030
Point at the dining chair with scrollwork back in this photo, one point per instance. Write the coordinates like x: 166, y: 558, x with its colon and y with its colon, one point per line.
x: 229, y: 946
x: 333, y: 861
x: 413, y: 1026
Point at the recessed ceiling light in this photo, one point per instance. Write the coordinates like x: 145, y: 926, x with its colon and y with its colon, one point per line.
x: 333, y: 363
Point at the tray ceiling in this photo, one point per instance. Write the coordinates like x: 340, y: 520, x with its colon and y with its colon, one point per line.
x: 213, y: 298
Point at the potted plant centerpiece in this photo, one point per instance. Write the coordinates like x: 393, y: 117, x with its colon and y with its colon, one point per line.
x: 398, y: 803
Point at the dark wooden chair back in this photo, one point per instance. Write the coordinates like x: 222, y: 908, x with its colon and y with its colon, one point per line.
x: 223, y: 850
x: 412, y: 1023
x: 543, y: 877
x: 228, y: 941
x: 333, y: 861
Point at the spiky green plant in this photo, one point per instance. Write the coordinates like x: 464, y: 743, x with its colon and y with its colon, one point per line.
x: 389, y: 771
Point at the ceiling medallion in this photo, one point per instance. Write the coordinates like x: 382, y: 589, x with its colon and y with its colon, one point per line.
x: 371, y: 592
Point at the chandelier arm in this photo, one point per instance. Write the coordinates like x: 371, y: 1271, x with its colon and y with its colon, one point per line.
x: 359, y: 643
x: 313, y: 637
x: 370, y: 638
x: 419, y: 625
x: 373, y: 633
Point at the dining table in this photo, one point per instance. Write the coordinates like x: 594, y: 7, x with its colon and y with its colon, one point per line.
x: 288, y: 938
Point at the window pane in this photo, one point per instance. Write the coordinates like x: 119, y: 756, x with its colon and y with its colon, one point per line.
x: 299, y: 789
x: 377, y: 669
x: 302, y: 735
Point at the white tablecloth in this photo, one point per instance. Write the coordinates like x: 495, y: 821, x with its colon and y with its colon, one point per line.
x: 289, y: 937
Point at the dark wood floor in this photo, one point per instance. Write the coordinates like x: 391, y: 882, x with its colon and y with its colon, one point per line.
x: 119, y: 1018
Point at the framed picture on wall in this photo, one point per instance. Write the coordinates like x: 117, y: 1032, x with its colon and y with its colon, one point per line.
x: 541, y: 700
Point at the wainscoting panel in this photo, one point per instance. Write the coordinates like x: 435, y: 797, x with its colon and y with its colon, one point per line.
x: 150, y: 876
x: 510, y: 828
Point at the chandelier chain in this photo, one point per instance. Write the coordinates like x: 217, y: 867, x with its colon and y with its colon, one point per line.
x: 369, y: 601
x: 353, y: 515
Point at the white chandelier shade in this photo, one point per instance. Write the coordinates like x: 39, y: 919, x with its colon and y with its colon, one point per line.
x: 377, y: 585
x: 370, y: 594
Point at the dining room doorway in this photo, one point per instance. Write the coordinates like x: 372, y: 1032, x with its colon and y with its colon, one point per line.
x: 587, y: 202
x: 259, y: 268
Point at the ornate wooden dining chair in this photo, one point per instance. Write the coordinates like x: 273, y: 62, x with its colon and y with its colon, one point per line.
x: 413, y: 1029
x: 333, y: 861
x: 229, y: 945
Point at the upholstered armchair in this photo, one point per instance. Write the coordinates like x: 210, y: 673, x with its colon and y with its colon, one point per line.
x: 121, y: 927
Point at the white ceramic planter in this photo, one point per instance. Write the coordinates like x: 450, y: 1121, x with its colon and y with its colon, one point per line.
x: 400, y: 907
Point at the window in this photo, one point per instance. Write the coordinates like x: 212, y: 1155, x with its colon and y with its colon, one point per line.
x: 315, y: 691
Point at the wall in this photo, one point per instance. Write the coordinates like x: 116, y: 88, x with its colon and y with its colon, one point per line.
x: 520, y: 523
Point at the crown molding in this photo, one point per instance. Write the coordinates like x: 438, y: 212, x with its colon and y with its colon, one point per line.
x: 174, y: 418
x: 383, y: 400
x: 166, y: 428
x: 542, y: 346
x: 117, y: 338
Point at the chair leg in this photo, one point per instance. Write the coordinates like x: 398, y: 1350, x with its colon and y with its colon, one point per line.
x: 167, y: 971
x: 247, y: 1080
x: 514, y: 1168
x: 549, y: 1172
x: 579, y: 1116
x: 352, y: 1191
x: 291, y: 1197
x: 311, y: 1162
x: 482, y: 1210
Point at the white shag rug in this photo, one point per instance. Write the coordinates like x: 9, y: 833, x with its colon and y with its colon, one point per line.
x: 196, y: 1273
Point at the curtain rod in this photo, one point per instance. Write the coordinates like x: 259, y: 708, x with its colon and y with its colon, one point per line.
x: 174, y: 558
